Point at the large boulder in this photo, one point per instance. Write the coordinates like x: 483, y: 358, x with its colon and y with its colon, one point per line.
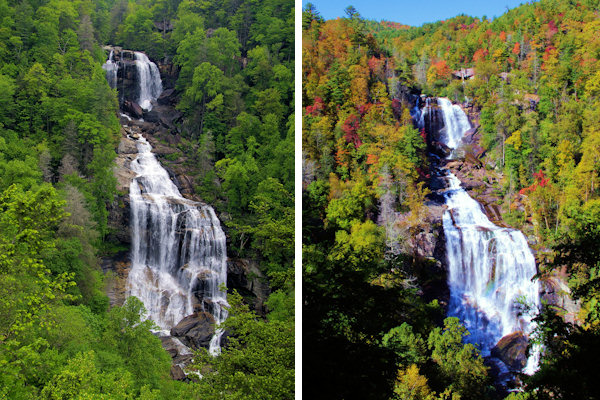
x: 512, y: 350
x: 133, y: 109
x: 195, y: 330
x: 177, y: 373
x: 440, y: 149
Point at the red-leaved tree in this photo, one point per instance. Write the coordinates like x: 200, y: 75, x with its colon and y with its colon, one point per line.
x: 350, y: 128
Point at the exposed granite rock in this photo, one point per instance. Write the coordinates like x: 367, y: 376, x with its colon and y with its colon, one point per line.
x: 181, y: 356
x: 116, y: 269
x: 169, y: 73
x: 556, y: 292
x: 246, y: 277
x: 126, y: 153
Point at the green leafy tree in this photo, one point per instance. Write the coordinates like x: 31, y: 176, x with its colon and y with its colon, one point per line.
x: 206, y: 92
x: 460, y: 364
x: 258, y: 362
x: 128, y: 335
x: 410, y: 348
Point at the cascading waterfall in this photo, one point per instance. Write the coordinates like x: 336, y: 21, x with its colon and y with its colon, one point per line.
x: 455, y: 121
x: 178, y: 253
x: 149, y: 79
x: 490, y: 268
x: 111, y: 69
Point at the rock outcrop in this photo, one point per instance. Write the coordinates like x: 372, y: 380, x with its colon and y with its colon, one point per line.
x: 512, y: 350
x: 116, y: 270
x: 247, y: 279
x: 556, y: 292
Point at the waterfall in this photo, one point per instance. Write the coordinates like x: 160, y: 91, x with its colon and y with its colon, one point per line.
x: 455, y: 121
x: 490, y: 268
x: 150, y: 85
x: 178, y: 250
x: 111, y: 69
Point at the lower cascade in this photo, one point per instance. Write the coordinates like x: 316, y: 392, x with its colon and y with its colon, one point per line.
x: 178, y: 255
x: 178, y: 250
x: 490, y: 268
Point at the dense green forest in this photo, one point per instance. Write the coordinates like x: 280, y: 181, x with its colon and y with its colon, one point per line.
x: 373, y: 329
x: 59, y: 130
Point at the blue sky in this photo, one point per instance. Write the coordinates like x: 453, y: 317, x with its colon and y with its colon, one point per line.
x: 415, y: 12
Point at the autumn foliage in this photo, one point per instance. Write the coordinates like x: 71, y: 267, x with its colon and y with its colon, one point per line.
x: 316, y: 108
x: 349, y: 127
x: 540, y: 181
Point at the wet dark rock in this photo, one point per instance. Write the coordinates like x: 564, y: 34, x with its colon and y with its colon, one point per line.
x: 133, y: 109
x: 168, y: 343
x: 167, y: 97
x: 512, y: 350
x: 152, y: 116
x: 246, y: 277
x: 440, y: 149
x: 504, y: 379
x: 195, y: 330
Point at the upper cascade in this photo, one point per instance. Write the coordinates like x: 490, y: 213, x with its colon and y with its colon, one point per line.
x: 149, y: 81
x: 455, y: 121
x: 490, y: 268
x: 136, y: 78
x: 111, y: 69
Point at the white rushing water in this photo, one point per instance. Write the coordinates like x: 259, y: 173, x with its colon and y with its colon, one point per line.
x: 178, y: 249
x: 490, y: 268
x: 178, y: 254
x: 149, y: 80
x: 455, y: 121
x: 111, y: 69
